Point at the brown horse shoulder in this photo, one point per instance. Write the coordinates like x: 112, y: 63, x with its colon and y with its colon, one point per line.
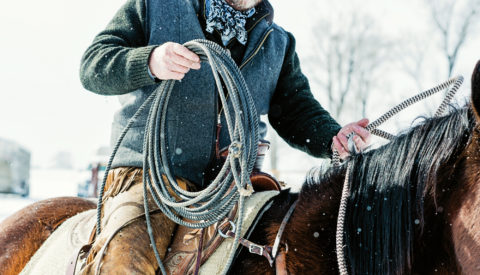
x: 25, y: 231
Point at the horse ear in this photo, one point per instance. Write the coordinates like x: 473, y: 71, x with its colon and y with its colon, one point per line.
x: 476, y: 90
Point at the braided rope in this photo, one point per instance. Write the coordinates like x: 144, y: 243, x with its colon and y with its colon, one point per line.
x: 231, y: 185
x: 448, y: 98
x: 342, y: 264
x: 457, y: 81
x: 383, y: 134
x: 372, y: 127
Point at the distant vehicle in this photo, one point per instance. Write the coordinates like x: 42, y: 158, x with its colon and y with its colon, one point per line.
x: 88, y: 188
x: 14, y: 168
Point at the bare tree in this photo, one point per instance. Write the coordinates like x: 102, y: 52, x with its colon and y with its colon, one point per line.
x: 454, y: 20
x: 347, y: 59
x: 413, y: 51
x: 453, y: 23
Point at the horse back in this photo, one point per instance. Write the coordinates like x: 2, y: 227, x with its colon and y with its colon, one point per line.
x: 23, y: 233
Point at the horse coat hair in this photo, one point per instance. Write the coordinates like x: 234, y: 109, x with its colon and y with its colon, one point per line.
x: 56, y: 252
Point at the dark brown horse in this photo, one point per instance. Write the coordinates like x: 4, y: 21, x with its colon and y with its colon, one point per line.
x: 414, y: 208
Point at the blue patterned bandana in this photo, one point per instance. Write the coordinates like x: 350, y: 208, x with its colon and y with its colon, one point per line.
x: 227, y: 21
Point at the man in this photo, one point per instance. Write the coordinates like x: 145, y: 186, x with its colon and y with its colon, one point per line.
x: 142, y: 46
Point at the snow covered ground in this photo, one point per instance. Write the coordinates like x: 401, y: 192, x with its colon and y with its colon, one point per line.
x: 44, y: 183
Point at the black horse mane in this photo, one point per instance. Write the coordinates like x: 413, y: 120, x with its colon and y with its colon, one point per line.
x: 388, y: 188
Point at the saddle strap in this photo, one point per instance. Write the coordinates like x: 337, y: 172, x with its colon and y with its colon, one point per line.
x: 199, y: 252
x: 72, y: 264
x: 269, y: 252
x: 262, y: 250
x: 281, y: 229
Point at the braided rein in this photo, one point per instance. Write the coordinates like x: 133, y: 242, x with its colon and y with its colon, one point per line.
x: 372, y: 128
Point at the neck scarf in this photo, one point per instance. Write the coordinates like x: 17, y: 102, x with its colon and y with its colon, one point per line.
x: 229, y: 22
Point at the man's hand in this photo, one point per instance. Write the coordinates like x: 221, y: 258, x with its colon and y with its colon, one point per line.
x: 361, y: 139
x: 172, y: 61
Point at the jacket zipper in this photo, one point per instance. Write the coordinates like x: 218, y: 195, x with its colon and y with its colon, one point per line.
x: 257, y: 49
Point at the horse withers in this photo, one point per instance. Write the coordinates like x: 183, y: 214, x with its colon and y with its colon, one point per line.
x: 414, y: 208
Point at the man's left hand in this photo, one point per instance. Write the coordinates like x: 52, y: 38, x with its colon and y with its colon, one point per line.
x: 361, y: 137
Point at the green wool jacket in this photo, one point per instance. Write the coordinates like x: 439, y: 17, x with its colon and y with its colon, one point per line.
x: 116, y: 63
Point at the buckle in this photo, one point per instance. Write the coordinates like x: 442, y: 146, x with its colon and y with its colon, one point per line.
x: 255, y: 249
x: 224, y: 235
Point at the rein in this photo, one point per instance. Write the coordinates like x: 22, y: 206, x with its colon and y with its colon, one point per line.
x: 232, y: 183
x: 372, y: 127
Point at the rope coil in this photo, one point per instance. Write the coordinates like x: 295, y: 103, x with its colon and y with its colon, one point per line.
x: 372, y: 127
x: 232, y: 183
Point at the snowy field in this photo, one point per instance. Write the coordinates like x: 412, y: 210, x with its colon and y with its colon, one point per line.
x: 44, y: 183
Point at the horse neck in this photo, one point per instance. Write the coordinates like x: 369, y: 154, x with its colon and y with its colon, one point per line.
x: 471, y: 173
x: 463, y: 210
x: 462, y: 179
x: 452, y: 218
x: 314, y: 223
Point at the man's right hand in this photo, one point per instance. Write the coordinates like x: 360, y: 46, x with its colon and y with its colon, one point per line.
x: 172, y: 61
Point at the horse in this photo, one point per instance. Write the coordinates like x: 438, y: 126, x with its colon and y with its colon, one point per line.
x: 414, y: 208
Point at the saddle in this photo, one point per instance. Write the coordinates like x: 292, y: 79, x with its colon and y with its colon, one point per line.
x: 182, y: 254
x: 191, y: 248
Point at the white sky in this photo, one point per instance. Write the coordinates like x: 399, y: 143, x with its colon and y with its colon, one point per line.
x: 43, y: 105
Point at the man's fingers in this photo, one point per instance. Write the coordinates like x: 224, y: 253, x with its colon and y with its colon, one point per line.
x: 183, y: 51
x: 175, y: 75
x: 180, y: 60
x: 362, y: 132
x: 173, y: 67
x: 359, y: 143
x: 361, y: 137
x: 340, y: 149
x: 337, y: 145
x: 342, y: 138
x: 363, y: 122
x: 172, y: 61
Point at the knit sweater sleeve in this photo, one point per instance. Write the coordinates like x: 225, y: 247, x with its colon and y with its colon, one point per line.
x: 295, y: 114
x: 117, y: 60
